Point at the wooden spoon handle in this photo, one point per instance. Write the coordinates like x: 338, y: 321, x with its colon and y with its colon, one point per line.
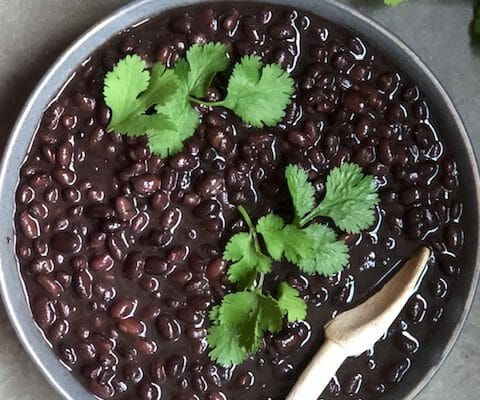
x: 318, y: 373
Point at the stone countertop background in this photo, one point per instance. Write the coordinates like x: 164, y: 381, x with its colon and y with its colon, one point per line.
x: 33, y: 33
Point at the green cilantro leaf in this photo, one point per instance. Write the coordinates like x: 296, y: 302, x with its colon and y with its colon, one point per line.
x: 297, y: 244
x: 204, y: 62
x: 247, y: 260
x: 281, y: 239
x: 350, y: 199
x: 225, y: 348
x: 259, y: 93
x: 178, y: 109
x: 269, y: 314
x: 270, y: 227
x: 238, y: 325
x: 130, y: 91
x: 394, y: 3
x: 290, y: 302
x: 122, y: 87
x: 301, y: 190
x: 329, y: 256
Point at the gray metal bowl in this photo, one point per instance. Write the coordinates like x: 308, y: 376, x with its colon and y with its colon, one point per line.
x: 454, y: 134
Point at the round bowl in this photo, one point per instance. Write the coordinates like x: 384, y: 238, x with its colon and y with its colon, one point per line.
x: 447, y: 331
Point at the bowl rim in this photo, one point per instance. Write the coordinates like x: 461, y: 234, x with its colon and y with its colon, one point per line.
x: 59, y: 74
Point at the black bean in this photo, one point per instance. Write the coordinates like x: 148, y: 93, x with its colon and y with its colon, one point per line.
x: 170, y: 218
x: 134, y: 265
x: 439, y: 288
x: 354, y: 101
x: 387, y: 81
x: 216, y: 268
x: 64, y: 154
x: 178, y: 254
x: 299, y: 139
x: 282, y: 32
x: 58, y: 331
x: 149, y: 391
x: 395, y: 372
x: 181, y: 276
x: 156, y: 266
x: 102, y: 262
x: 454, y: 236
x: 407, y: 343
x: 160, y: 201
x: 182, y: 162
x: 209, y: 185
x: 160, y: 238
x: 140, y: 222
x: 189, y: 315
x: 146, y: 184
x: 125, y: 208
x: 38, y: 210
x: 411, y: 195
x: 341, y: 61
x: 42, y: 265
x: 44, y: 312
x: 364, y: 156
x: 168, y: 327
x: 417, y: 309
x: 52, y: 116
x: 245, y: 380
x: 83, y: 283
x: 176, y: 366
x: 353, y: 384
x: 95, y: 195
x: 52, y: 286
x: 132, y: 326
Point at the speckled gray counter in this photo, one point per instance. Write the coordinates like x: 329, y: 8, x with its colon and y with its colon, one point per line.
x: 34, y: 32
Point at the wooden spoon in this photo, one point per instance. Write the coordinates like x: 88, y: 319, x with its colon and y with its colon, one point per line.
x: 357, y: 330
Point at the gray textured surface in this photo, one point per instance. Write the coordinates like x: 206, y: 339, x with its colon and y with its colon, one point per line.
x: 34, y: 33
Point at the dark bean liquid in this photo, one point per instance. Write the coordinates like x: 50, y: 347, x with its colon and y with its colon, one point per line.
x: 120, y: 250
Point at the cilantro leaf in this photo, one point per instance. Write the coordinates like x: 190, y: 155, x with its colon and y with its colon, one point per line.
x: 281, y: 239
x: 290, y: 302
x: 163, y: 85
x: 259, y: 93
x: 204, y: 62
x: 330, y: 255
x: 130, y: 91
x: 122, y: 87
x: 239, y: 324
x: 350, y: 199
x: 297, y: 243
x: 301, y: 190
x: 178, y: 109
x: 270, y: 227
x: 394, y: 3
x: 269, y: 314
x: 247, y: 260
x: 225, y: 348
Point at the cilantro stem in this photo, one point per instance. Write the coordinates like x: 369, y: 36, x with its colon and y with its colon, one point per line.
x: 246, y: 217
x: 206, y: 103
x: 253, y: 231
x: 310, y: 216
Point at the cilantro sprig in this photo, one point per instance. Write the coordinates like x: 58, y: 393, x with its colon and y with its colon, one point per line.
x: 243, y: 317
x: 159, y: 102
